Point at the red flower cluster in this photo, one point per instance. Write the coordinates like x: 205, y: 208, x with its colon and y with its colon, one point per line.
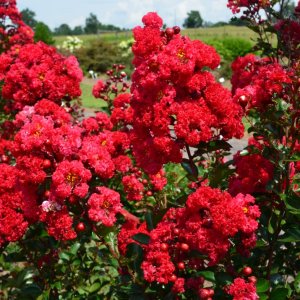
x: 13, y: 31
x: 104, y: 206
x: 62, y: 158
x: 256, y: 81
x: 242, y: 290
x: 205, y: 226
x: 122, y: 113
x: 35, y: 72
x: 289, y: 32
x: 175, y: 101
x: 13, y: 205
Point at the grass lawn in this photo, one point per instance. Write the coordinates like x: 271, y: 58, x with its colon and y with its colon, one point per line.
x: 88, y: 100
x: 198, y: 33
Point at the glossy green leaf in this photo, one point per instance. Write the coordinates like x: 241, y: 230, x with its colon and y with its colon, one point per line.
x: 190, y: 167
x: 149, y: 221
x: 291, y: 235
x: 74, y: 248
x: 142, y: 238
x: 262, y: 285
x: 94, y: 287
x: 208, y: 275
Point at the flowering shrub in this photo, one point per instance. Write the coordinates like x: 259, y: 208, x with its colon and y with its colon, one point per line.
x: 72, y: 43
x: 141, y: 201
x: 36, y: 72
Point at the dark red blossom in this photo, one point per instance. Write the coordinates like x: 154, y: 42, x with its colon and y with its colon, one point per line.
x: 253, y: 172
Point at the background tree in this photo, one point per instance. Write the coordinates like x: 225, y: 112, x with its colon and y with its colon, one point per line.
x: 238, y: 22
x: 193, y: 20
x: 63, y: 29
x: 28, y: 17
x: 78, y: 30
x: 43, y: 33
x: 91, y: 24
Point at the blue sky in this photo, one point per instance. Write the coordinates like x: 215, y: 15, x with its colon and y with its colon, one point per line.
x: 123, y: 13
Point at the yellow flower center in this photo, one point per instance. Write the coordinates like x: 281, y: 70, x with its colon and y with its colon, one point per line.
x: 72, y: 179
x: 105, y: 204
x: 182, y: 56
x: 245, y: 210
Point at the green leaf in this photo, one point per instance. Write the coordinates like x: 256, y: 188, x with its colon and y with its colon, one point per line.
x: 297, y: 283
x: 262, y: 285
x: 64, y: 256
x: 134, y: 250
x: 75, y: 248
x: 217, y: 145
x: 190, y: 167
x: 105, y: 289
x: 292, y: 203
x: 208, y: 275
x: 142, y: 238
x: 219, y: 173
x: 272, y: 223
x: 295, y: 157
x: 279, y: 294
x: 149, y: 221
x: 262, y: 296
x: 94, y: 287
x: 291, y: 235
x: 31, y: 291
x: 81, y: 291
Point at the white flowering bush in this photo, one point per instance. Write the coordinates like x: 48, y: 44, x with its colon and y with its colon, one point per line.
x: 125, y: 46
x: 72, y: 43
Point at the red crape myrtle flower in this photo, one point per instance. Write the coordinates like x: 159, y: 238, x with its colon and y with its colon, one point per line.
x: 205, y: 225
x: 36, y: 72
x: 98, y: 88
x: 59, y: 224
x: 175, y: 101
x: 104, y: 205
x: 70, y: 177
x: 18, y: 205
x: 242, y: 290
x: 255, y: 82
